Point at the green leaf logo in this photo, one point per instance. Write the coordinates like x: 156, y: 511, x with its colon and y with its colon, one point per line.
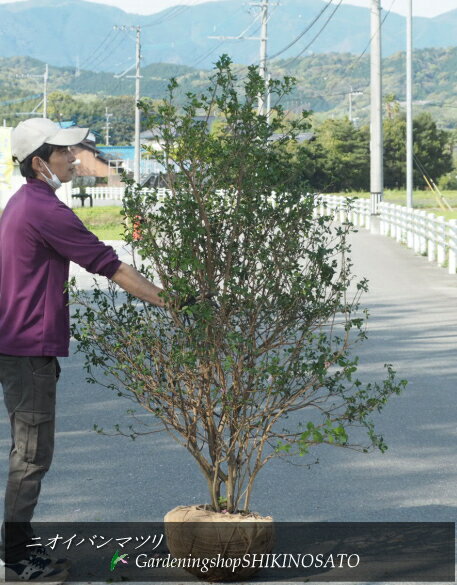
x: 116, y: 558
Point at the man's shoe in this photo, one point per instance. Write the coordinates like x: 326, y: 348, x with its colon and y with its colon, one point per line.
x: 36, y: 570
x: 42, y: 552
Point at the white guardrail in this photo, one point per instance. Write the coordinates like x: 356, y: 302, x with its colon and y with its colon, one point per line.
x: 108, y: 193
x: 105, y: 193
x: 425, y: 233
x: 101, y: 193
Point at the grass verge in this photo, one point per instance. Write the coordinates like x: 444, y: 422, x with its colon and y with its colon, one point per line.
x: 104, y: 222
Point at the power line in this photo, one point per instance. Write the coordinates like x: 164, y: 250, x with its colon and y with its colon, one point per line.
x: 357, y: 60
x: 318, y: 34
x: 313, y: 22
x: 208, y: 54
x: 110, y: 49
x: 204, y: 56
x: 371, y: 38
x: 20, y: 100
x: 329, y: 93
x: 312, y: 41
x: 242, y: 72
x: 77, y: 82
x: 92, y: 55
x: 173, y: 13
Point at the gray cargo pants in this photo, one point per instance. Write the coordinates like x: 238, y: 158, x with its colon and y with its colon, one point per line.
x: 29, y: 389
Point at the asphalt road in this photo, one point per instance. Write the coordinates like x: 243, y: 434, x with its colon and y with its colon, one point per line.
x: 413, y: 325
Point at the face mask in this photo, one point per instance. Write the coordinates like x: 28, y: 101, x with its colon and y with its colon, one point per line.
x: 54, y: 182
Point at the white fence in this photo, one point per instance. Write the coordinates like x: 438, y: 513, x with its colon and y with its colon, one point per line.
x: 425, y: 233
x: 101, y: 193
x: 358, y: 212
x: 107, y: 193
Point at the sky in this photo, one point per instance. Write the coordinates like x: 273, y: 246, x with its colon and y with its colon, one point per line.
x: 420, y: 7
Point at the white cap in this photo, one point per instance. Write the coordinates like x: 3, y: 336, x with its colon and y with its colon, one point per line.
x: 33, y: 133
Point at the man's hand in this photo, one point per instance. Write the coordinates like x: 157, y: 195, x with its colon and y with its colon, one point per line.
x: 193, y: 300
x: 128, y: 278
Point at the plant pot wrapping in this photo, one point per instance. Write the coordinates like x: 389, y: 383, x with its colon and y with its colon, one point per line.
x: 199, y: 532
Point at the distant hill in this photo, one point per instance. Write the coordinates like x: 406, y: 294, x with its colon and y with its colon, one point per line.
x: 323, y: 83
x: 67, y: 32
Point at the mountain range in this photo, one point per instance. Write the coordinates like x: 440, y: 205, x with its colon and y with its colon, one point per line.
x: 324, y: 82
x: 80, y: 34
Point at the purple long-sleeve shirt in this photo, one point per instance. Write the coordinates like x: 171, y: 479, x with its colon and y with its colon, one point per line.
x: 39, y: 235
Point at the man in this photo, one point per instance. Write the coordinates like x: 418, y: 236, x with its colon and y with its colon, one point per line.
x: 39, y: 235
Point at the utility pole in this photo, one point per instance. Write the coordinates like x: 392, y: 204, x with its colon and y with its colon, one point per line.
x: 44, y: 101
x: 263, y: 55
x: 137, y: 167
x: 409, y: 105
x: 45, y: 92
x: 264, y: 104
x: 107, y: 126
x: 376, y: 130
x: 351, y: 94
x: 137, y: 77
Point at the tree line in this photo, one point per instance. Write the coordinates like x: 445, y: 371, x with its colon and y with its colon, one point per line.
x: 337, y: 159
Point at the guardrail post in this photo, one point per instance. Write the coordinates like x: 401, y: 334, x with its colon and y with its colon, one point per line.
x: 367, y: 214
x: 415, y: 228
x: 398, y: 227
x: 409, y: 228
x: 425, y: 233
x: 318, y: 206
x: 441, y: 240
x: 452, y: 246
x: 421, y: 219
x: 355, y: 213
x: 383, y: 221
x: 341, y: 205
x: 391, y: 214
x: 431, y: 240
